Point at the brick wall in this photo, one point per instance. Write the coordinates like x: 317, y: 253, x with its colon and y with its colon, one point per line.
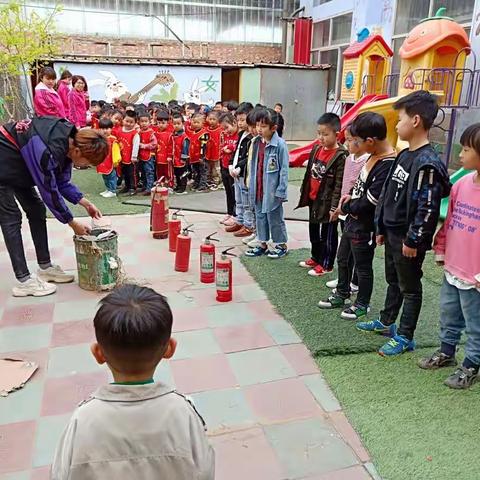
x: 124, y: 47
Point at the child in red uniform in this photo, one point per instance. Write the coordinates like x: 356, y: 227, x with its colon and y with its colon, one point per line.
x: 107, y: 167
x: 164, y: 143
x: 215, y: 131
x: 146, y: 152
x: 198, y: 136
x: 228, y: 146
x: 180, y: 148
x: 129, y: 141
x: 94, y: 114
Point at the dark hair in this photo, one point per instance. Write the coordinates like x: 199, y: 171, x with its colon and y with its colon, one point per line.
x: 133, y: 325
x: 143, y: 114
x: 369, y: 125
x: 244, y: 108
x: 232, y: 106
x: 471, y: 137
x: 66, y: 74
x: 48, y: 72
x: 228, y: 117
x: 279, y: 105
x: 176, y: 116
x: 131, y: 114
x: 331, y: 120
x: 192, y: 106
x: 214, y: 113
x: 268, y: 116
x: 252, y: 119
x: 219, y: 103
x: 421, y: 103
x: 162, y: 114
x: 105, y: 123
x: 76, y: 78
x: 198, y: 114
x: 118, y: 112
x: 94, y: 103
x: 102, y: 103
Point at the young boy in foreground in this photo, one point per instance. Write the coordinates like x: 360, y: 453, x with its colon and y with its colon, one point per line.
x: 134, y: 427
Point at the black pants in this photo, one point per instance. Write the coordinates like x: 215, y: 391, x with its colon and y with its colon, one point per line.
x: 404, y: 278
x: 181, y: 174
x: 360, y: 247
x: 351, y: 263
x: 324, y: 240
x: 227, y: 181
x: 199, y: 170
x: 129, y: 173
x: 11, y: 222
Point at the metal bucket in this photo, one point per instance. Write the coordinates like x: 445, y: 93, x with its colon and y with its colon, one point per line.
x: 98, y: 263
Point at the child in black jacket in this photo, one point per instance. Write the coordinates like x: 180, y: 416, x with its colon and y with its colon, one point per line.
x: 369, y: 131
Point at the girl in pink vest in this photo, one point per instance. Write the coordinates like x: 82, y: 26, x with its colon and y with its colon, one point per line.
x: 47, y: 100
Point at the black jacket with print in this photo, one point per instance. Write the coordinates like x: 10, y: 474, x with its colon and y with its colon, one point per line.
x: 427, y: 184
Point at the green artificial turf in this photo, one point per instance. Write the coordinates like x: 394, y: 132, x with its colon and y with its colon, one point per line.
x: 91, y: 184
x: 296, y: 294
x: 413, y: 426
x: 295, y: 175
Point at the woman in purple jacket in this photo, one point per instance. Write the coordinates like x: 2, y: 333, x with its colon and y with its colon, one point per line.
x: 40, y: 153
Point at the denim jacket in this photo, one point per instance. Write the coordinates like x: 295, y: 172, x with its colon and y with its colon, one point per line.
x: 275, y: 174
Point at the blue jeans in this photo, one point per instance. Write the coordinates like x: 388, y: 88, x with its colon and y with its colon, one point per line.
x: 271, y: 225
x: 243, y: 209
x: 459, y: 310
x: 147, y: 173
x: 110, y: 181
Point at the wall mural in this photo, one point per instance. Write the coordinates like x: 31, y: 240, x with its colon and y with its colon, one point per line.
x: 146, y: 83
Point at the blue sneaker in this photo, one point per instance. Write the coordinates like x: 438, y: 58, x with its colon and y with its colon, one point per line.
x: 397, y: 345
x: 377, y: 326
x: 256, y: 252
x: 278, y: 252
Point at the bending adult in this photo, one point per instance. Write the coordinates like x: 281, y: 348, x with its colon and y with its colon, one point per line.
x: 40, y: 153
x: 47, y: 101
x: 64, y: 86
x: 77, y: 102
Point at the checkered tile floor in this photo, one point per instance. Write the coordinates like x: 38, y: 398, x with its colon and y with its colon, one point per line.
x: 269, y: 412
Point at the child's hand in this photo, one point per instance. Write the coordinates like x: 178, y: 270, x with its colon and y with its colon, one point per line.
x: 409, y: 252
x: 334, y: 216
x: 169, y: 159
x: 345, y: 199
x: 380, y: 239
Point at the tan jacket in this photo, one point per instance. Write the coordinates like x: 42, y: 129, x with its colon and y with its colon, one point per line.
x: 131, y: 432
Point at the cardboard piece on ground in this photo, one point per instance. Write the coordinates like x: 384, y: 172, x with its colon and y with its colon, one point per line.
x: 14, y: 374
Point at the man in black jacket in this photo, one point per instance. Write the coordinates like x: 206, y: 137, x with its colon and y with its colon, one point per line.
x: 406, y: 218
x: 369, y: 131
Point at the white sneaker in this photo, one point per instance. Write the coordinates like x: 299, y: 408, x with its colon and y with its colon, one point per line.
x: 254, y: 243
x: 248, y: 239
x: 332, y: 283
x: 102, y: 194
x: 353, y: 288
x: 55, y: 274
x: 109, y: 195
x: 34, y: 287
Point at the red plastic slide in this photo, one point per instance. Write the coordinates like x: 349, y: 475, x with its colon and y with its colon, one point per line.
x: 299, y: 156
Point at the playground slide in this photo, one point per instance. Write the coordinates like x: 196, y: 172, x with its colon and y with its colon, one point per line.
x: 453, y: 179
x: 299, y: 156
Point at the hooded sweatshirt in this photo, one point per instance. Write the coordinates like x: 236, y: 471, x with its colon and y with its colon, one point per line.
x: 48, y: 102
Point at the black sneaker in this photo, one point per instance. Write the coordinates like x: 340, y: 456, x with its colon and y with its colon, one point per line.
x: 462, y: 378
x: 437, y: 360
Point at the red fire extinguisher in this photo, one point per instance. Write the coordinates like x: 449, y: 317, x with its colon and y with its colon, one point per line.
x: 174, y: 228
x: 182, y: 256
x: 159, y: 212
x: 207, y: 259
x: 224, y: 277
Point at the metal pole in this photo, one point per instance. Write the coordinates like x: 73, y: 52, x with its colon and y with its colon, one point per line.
x: 169, y: 29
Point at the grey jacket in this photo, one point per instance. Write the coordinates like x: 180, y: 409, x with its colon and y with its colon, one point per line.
x: 122, y: 432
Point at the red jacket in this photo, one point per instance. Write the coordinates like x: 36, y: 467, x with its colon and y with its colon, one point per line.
x: 94, y: 122
x: 213, y: 147
x: 126, y: 139
x: 178, y: 147
x: 148, y: 144
x: 198, y: 145
x: 229, y: 142
x: 164, y: 146
x: 106, y: 167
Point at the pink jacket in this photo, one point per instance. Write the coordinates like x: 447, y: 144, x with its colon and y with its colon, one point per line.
x: 77, y: 108
x: 63, y: 91
x: 47, y: 102
x: 458, y: 241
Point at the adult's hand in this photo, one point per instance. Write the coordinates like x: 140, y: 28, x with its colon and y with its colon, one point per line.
x: 91, y: 209
x: 79, y: 228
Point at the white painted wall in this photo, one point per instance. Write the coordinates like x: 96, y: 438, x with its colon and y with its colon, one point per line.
x: 327, y: 10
